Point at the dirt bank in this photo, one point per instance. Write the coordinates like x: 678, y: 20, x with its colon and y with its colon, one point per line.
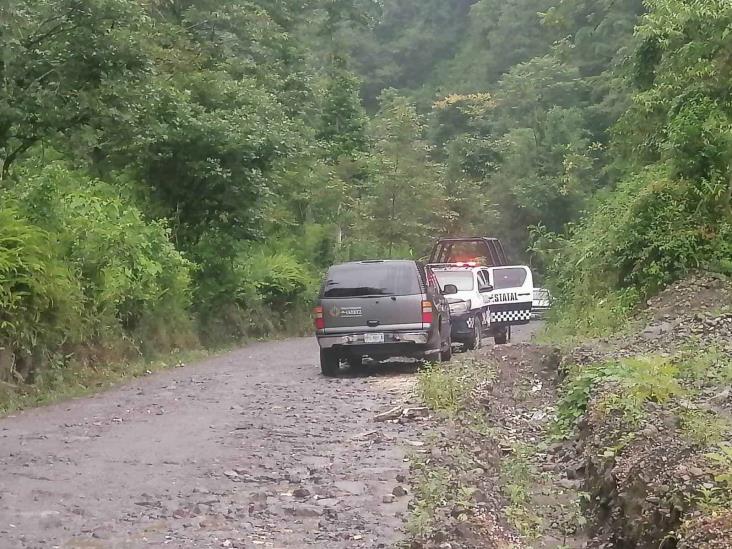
x: 624, y: 442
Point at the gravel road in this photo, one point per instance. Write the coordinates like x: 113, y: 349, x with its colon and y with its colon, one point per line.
x: 251, y: 449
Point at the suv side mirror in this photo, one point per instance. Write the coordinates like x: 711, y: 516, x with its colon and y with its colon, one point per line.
x: 485, y: 289
x: 449, y: 289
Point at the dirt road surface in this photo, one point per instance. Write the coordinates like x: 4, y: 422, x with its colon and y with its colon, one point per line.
x: 251, y: 449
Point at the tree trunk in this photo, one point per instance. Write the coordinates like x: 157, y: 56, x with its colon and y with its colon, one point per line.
x: 10, y: 158
x: 7, y: 363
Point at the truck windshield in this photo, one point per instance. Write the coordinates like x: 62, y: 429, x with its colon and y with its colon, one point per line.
x: 372, y: 279
x: 509, y: 277
x: 464, y: 280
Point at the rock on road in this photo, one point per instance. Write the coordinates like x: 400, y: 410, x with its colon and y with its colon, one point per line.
x: 251, y: 449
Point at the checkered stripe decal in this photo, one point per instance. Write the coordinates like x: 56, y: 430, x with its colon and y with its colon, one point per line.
x: 510, y: 316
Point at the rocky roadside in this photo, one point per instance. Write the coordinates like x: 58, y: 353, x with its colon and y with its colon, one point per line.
x: 621, y: 442
x: 654, y: 427
x: 491, y: 477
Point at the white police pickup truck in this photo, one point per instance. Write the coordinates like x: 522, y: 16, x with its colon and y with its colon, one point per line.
x: 468, y: 290
x: 485, y: 301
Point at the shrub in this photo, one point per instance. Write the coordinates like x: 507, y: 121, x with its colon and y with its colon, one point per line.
x: 40, y: 302
x: 131, y: 275
x: 278, y: 278
x: 651, y: 231
x: 637, y: 381
x: 250, y: 290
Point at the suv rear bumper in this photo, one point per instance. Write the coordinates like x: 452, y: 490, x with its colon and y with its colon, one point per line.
x: 420, y: 337
x: 411, y: 344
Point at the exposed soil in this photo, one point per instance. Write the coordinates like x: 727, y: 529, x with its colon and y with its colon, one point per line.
x: 650, y: 476
x: 645, y: 465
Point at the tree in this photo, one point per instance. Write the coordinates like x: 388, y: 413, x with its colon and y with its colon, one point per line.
x: 403, y: 201
x: 58, y: 57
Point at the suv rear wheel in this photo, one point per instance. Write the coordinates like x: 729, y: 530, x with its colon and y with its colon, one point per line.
x: 330, y: 362
x: 446, y: 351
x: 501, y: 338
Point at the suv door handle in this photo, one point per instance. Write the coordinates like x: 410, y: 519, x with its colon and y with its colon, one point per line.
x: 372, y: 323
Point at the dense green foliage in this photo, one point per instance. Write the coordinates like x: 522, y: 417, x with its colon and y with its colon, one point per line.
x: 184, y: 170
x: 671, y: 210
x: 598, y: 130
x: 174, y: 171
x: 520, y: 97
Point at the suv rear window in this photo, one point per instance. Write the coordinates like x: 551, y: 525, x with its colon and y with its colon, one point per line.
x: 509, y: 277
x: 372, y: 279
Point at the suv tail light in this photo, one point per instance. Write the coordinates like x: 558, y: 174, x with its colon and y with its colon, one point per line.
x: 427, y: 312
x: 319, y: 319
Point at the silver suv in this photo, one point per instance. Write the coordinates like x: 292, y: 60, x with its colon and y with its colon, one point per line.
x: 381, y: 309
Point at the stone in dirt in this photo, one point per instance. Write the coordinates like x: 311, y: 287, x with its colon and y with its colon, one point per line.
x: 101, y: 533
x: 351, y: 486
x: 301, y: 493
x: 403, y: 414
x: 303, y: 510
x: 327, y: 502
x: 394, y: 413
x: 722, y: 397
x: 419, y: 411
x: 399, y: 491
x: 656, y: 330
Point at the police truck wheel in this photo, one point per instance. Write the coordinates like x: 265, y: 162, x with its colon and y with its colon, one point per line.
x: 330, y: 362
x: 476, y: 340
x: 501, y: 338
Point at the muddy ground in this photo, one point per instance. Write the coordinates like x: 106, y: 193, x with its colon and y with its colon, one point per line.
x: 251, y: 449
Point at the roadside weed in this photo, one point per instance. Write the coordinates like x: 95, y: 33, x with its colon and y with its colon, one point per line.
x: 518, y: 477
x: 703, y: 428
x: 638, y: 380
x: 577, y: 320
x: 711, y: 366
x: 446, y: 388
x: 718, y: 497
x: 440, y: 389
x: 722, y: 460
x: 431, y: 488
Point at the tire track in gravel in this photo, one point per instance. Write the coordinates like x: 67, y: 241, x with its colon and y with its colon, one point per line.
x: 251, y: 449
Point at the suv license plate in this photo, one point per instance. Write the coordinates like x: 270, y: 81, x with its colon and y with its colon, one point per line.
x: 373, y: 338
